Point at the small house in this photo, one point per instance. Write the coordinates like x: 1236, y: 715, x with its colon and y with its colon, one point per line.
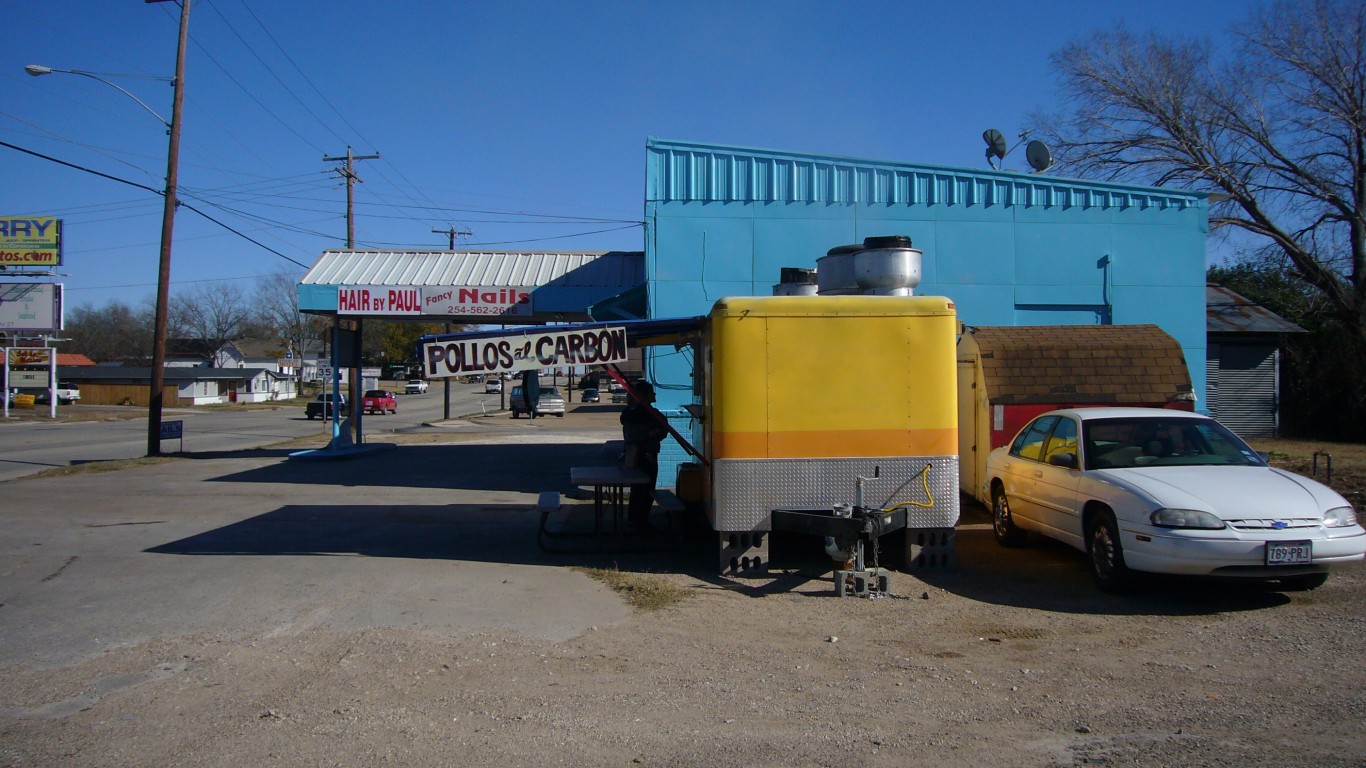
x: 1242, y: 362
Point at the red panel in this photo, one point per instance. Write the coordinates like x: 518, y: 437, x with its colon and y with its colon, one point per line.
x: 1016, y: 416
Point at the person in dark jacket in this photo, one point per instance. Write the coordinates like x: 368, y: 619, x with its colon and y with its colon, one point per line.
x: 642, y: 430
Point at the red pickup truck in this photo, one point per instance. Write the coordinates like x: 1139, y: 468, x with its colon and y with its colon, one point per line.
x: 379, y: 401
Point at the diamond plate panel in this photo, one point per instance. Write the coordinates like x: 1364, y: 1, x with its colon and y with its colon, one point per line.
x: 746, y: 489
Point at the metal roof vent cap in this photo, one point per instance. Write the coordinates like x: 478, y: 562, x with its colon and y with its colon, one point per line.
x: 835, y: 270
x: 887, y: 266
x: 795, y: 281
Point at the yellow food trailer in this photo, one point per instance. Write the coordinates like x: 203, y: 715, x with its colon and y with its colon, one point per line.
x: 813, y: 402
x: 830, y: 415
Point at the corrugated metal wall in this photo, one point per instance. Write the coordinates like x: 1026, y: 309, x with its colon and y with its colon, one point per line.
x: 1243, y: 388
x: 681, y: 172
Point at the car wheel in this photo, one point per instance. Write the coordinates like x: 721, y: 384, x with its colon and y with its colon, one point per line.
x: 310, y: 417
x: 561, y: 415
x: 1002, y: 524
x: 515, y: 414
x: 1106, y: 555
x: 1303, y: 582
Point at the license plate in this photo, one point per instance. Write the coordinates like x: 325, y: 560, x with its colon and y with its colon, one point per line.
x: 1289, y: 552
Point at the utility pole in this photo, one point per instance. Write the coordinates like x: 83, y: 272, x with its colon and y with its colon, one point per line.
x: 349, y: 173
x: 156, y: 397
x: 450, y: 232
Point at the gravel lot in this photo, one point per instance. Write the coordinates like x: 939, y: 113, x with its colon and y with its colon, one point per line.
x: 1011, y: 658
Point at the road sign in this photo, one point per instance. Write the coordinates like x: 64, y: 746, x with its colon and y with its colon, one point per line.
x: 172, y: 430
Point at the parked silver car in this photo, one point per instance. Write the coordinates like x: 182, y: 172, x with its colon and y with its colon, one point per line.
x: 551, y: 402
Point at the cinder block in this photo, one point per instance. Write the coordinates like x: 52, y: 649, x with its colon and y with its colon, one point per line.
x: 744, y: 553
x: 930, y: 548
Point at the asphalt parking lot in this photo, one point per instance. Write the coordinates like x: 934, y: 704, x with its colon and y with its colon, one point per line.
x: 429, y: 532
x: 240, y: 607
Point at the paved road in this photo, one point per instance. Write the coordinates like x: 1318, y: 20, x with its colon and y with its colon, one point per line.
x: 437, y: 536
x: 34, y: 443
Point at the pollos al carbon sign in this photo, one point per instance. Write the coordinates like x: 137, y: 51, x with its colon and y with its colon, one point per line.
x: 523, y: 351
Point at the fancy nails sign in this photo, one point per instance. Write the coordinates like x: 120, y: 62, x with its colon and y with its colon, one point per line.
x: 443, y: 301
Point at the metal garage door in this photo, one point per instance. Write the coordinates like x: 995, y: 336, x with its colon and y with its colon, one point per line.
x: 1247, y: 389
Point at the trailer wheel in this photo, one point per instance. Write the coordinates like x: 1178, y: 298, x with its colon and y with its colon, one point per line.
x: 1002, y: 524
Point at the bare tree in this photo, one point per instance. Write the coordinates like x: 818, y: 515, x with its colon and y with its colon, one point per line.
x: 211, y: 313
x: 277, y: 307
x: 1275, y: 131
x: 114, y: 332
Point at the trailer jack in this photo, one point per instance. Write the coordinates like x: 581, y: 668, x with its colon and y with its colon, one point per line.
x: 847, y: 530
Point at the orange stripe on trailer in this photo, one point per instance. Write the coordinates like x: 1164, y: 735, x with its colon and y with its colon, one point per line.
x: 819, y: 444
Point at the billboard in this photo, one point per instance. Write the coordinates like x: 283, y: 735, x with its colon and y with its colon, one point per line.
x: 30, y: 307
x: 30, y: 356
x: 30, y: 241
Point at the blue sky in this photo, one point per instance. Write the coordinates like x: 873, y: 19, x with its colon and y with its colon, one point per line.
x: 522, y: 122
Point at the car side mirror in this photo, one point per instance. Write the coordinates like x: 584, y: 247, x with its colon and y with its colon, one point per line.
x: 1068, y: 460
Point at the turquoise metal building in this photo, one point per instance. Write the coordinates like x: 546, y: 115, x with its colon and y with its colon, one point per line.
x: 1008, y: 248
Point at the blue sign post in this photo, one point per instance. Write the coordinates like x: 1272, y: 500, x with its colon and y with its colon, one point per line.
x: 174, y: 430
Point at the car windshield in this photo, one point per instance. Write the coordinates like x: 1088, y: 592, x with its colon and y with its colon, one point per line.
x: 1163, y: 441
x: 376, y: 393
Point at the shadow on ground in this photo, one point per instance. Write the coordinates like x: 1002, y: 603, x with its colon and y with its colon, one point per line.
x: 521, y: 467
x: 1044, y: 575
x: 1050, y: 576
x: 496, y: 533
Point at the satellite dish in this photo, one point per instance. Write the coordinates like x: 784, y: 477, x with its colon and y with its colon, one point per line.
x: 996, y: 145
x: 1039, y: 156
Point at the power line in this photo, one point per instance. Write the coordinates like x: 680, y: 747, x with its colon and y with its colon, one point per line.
x: 375, y: 244
x: 271, y: 71
x: 153, y: 191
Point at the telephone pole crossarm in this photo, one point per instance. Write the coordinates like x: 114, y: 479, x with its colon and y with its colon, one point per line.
x: 452, y: 233
x: 349, y: 173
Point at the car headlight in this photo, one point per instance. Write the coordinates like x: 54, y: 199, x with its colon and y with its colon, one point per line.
x: 1186, y: 518
x: 1342, y: 517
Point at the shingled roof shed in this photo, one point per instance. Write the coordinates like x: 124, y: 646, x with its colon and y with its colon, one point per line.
x: 1079, y: 364
x: 1007, y: 375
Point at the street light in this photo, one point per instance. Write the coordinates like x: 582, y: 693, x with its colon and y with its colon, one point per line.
x: 155, y: 395
x: 38, y: 70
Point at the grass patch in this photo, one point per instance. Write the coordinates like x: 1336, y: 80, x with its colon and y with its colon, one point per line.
x: 96, y: 467
x: 1348, y: 463
x: 642, y: 591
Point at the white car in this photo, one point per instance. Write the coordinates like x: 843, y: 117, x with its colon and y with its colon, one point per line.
x: 67, y: 392
x: 415, y: 387
x: 1161, y: 491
